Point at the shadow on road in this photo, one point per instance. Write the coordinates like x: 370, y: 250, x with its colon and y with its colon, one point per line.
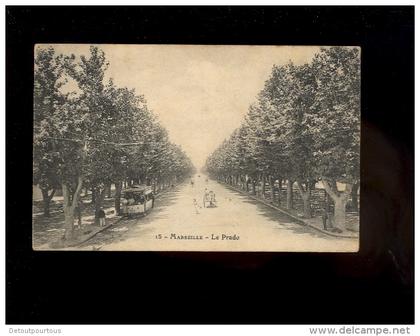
x: 285, y: 222
x: 130, y: 225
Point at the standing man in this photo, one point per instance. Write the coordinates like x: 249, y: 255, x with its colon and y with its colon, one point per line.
x: 79, y: 209
x: 101, y: 216
x: 196, y: 206
x: 206, y: 197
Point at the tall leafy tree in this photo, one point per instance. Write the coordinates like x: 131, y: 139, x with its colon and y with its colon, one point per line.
x: 297, y: 143
x: 89, y: 73
x: 335, y: 123
x: 305, y: 126
x: 48, y: 101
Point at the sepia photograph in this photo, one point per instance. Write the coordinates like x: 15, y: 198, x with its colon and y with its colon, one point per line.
x: 209, y: 165
x: 196, y: 148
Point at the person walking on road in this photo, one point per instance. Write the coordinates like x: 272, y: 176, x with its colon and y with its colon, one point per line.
x: 79, y: 209
x: 196, y: 206
x: 100, y: 214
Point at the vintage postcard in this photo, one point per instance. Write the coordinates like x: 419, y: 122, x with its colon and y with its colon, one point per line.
x: 196, y: 148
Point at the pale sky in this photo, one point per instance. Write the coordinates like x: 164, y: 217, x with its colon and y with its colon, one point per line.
x: 199, y: 93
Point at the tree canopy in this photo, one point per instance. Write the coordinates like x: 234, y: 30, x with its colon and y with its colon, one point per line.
x: 98, y: 133
x: 303, y: 127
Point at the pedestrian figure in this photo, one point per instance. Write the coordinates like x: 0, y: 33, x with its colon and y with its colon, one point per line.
x: 79, y: 209
x: 326, y: 220
x: 196, y: 206
x: 212, y: 197
x: 206, y: 197
x: 100, y: 214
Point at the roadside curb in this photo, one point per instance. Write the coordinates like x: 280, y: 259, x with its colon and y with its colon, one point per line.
x: 297, y: 219
x: 95, y: 233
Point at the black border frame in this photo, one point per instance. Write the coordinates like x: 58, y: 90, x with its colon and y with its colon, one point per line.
x: 373, y: 286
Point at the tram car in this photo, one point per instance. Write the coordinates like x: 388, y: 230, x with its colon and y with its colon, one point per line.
x: 137, y: 200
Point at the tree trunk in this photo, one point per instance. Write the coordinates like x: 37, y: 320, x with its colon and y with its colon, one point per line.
x: 99, y: 198
x: 258, y: 185
x: 280, y: 188
x: 93, y: 195
x: 47, y: 207
x: 68, y: 223
x: 272, y: 191
x: 306, y: 197
x: 254, y: 192
x: 46, y: 199
x: 354, y: 196
x: 68, y: 206
x: 117, y: 200
x: 289, y: 199
x: 263, y: 185
x: 307, y: 211
x: 340, y: 213
x: 108, y: 190
x: 340, y: 201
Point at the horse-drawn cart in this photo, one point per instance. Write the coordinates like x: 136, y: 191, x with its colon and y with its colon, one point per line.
x: 209, y: 200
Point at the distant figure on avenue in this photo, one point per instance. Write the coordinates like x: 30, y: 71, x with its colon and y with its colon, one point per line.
x: 192, y: 183
x: 100, y: 214
x: 212, y: 196
x: 196, y: 206
x: 79, y: 209
x: 205, y: 197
